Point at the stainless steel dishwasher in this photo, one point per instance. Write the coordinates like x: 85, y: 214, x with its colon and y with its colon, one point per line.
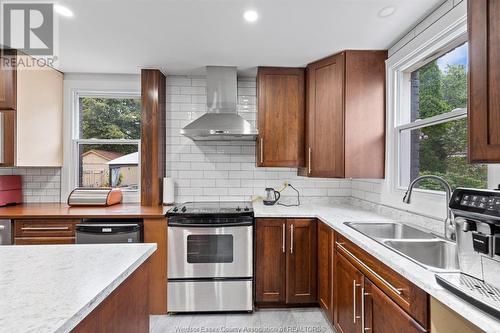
x: 5, y: 232
x: 108, y: 231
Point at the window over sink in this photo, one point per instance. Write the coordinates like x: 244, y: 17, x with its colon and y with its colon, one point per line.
x: 432, y: 124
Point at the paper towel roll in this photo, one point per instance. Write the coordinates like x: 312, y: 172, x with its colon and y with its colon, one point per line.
x: 168, y: 191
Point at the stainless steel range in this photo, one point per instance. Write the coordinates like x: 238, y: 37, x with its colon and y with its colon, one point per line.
x: 477, y: 225
x: 210, y: 257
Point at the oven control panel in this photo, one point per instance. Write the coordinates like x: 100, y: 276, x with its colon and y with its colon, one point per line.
x: 486, y: 202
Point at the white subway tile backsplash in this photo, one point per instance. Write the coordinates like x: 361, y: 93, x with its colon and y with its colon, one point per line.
x: 216, y: 174
x: 203, y: 182
x: 180, y: 98
x: 180, y: 81
x: 199, y: 99
x: 39, y: 184
x: 215, y: 191
x: 193, y: 90
x: 225, y: 170
x: 199, y: 82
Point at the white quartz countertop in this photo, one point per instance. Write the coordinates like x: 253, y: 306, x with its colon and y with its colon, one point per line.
x: 336, y: 215
x: 52, y: 288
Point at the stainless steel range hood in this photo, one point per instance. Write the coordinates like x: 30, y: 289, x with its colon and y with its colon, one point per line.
x: 222, y: 121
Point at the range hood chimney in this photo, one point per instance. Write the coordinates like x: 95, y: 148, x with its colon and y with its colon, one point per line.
x: 222, y: 121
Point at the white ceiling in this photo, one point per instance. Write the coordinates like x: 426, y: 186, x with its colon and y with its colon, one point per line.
x: 183, y: 36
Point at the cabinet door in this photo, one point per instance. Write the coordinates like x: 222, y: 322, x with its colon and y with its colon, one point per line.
x: 39, y: 117
x: 365, y: 114
x: 302, y: 260
x: 348, y: 284
x: 484, y: 80
x: 281, y: 113
x: 45, y: 227
x: 325, y: 117
x: 379, y: 307
x: 8, y: 76
x: 270, y: 260
x: 325, y: 269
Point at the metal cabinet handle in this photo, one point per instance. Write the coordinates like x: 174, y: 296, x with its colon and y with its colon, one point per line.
x: 309, y: 158
x: 363, y: 294
x: 291, y: 239
x: 261, y: 150
x: 283, y: 238
x: 44, y: 228
x: 354, y: 286
x: 398, y: 291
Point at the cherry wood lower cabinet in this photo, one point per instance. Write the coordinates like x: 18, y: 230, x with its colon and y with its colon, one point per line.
x: 348, y: 282
x: 125, y: 310
x: 155, y: 231
x: 44, y: 231
x: 382, y: 314
x: 270, y: 261
x: 370, y: 296
x: 285, y: 262
x: 325, y: 269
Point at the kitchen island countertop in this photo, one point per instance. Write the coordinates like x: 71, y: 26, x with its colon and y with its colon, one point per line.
x: 53, y: 288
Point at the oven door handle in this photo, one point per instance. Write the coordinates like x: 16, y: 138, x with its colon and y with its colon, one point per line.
x: 210, y: 225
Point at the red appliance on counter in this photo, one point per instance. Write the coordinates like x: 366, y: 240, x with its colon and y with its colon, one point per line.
x: 11, y: 190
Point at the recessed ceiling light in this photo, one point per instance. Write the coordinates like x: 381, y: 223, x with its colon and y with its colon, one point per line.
x: 63, y: 11
x: 250, y: 15
x: 387, y: 11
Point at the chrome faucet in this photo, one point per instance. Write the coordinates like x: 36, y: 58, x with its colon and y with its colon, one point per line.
x: 449, y: 227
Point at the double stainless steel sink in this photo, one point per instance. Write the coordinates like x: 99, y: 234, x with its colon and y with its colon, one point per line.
x: 430, y: 251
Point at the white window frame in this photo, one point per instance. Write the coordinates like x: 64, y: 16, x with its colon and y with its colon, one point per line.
x: 128, y: 195
x: 441, y: 36
x: 402, y: 115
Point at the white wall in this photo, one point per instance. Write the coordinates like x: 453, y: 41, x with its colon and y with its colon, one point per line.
x: 225, y: 170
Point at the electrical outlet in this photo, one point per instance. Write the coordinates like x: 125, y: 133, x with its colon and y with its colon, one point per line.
x: 286, y: 184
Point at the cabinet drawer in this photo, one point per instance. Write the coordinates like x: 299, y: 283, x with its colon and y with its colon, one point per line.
x: 43, y: 240
x: 45, y: 228
x: 411, y: 298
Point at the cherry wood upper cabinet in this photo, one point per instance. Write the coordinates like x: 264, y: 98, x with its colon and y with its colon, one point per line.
x: 484, y: 80
x: 8, y: 80
x: 325, y: 118
x: 325, y: 269
x: 281, y: 112
x: 345, y: 116
x: 302, y: 260
x: 270, y: 259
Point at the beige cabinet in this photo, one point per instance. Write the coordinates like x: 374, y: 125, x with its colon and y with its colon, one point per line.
x: 32, y: 129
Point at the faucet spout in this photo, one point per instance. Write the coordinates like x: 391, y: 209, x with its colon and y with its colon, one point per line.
x: 449, y: 229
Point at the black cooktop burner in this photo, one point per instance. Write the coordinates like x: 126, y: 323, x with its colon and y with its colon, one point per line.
x: 212, y: 208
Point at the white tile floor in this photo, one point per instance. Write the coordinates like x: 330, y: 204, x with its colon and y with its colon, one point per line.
x: 310, y: 320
